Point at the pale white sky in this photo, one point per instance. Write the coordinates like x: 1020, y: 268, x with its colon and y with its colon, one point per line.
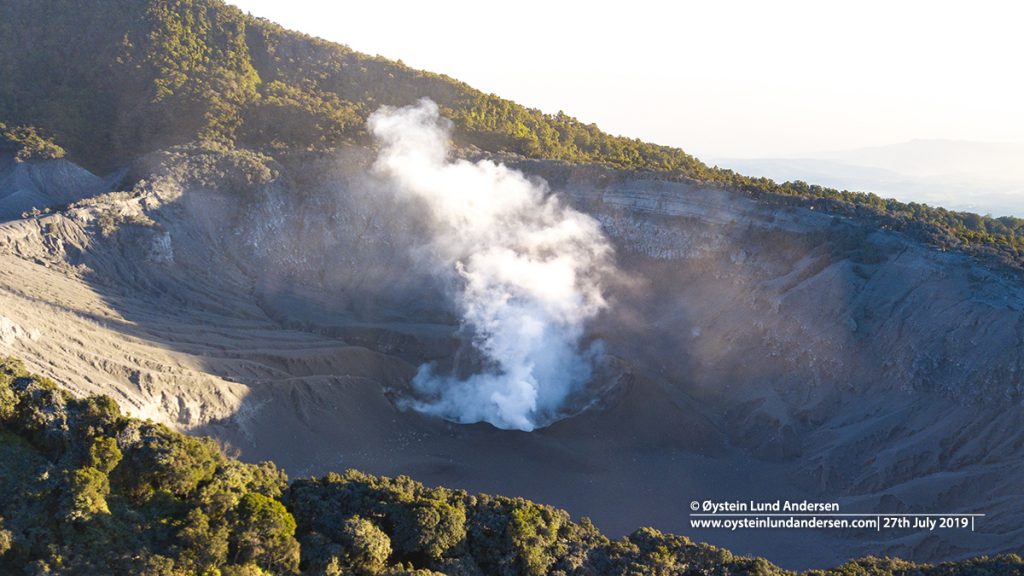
x: 717, y: 78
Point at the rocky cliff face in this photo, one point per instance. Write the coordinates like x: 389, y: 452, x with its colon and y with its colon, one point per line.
x: 758, y: 352
x: 881, y: 371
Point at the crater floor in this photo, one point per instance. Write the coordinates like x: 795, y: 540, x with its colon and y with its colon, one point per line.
x: 768, y: 353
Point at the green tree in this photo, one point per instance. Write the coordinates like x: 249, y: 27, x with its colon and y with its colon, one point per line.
x: 87, y: 494
x: 204, y: 543
x: 264, y: 533
x: 430, y: 527
x: 533, y: 534
x: 164, y: 460
x: 367, y: 547
x: 104, y: 455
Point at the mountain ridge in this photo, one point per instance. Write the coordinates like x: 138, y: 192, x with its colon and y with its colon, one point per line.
x: 982, y: 177
x: 127, y: 77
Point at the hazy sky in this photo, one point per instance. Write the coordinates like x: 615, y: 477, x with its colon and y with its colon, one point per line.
x: 717, y: 78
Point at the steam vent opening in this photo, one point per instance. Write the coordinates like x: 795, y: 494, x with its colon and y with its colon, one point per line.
x: 606, y: 378
x: 524, y: 271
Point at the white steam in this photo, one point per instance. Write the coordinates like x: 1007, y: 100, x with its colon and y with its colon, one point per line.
x: 527, y: 271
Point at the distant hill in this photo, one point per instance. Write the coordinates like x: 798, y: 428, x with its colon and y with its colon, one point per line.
x: 987, y: 178
x: 947, y: 158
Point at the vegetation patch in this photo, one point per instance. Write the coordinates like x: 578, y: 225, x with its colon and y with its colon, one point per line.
x: 86, y: 490
x: 129, y: 77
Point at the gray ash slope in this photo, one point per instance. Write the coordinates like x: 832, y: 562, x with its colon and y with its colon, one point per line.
x: 28, y: 186
x: 760, y: 353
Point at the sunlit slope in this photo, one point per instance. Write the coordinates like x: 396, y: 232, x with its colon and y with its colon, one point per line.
x: 126, y: 77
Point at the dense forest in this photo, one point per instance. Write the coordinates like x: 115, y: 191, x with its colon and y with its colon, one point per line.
x: 85, y: 490
x: 110, y: 80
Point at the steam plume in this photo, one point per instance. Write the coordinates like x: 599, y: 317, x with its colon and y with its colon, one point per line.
x: 527, y: 272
